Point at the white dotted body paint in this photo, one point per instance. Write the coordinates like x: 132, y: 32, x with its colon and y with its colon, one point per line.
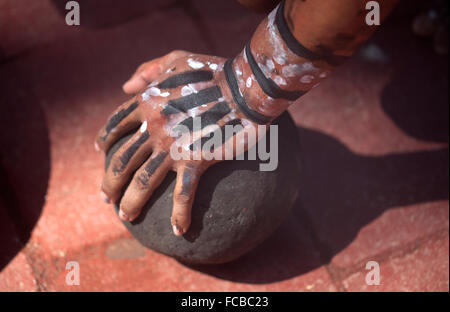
x: 239, y: 78
x: 239, y: 89
x: 268, y: 68
x: 220, y: 67
x: 198, y: 84
x: 307, y: 79
x: 232, y: 115
x: 195, y: 111
x: 248, y: 83
x: 264, y: 69
x: 195, y: 64
x: 266, y: 104
x: 186, y: 91
x: 245, y: 122
x: 280, y: 55
x: 145, y: 96
x: 213, y: 66
x: 143, y: 127
x: 270, y: 65
x: 189, y: 89
x: 172, y: 121
x: 153, y: 91
x: 293, y: 70
x: 279, y: 80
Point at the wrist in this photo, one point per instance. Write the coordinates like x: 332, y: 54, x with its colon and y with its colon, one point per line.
x: 269, y: 75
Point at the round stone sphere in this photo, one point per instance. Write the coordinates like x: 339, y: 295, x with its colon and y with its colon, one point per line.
x: 236, y: 207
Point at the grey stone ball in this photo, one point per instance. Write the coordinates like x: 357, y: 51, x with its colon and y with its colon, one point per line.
x: 236, y: 206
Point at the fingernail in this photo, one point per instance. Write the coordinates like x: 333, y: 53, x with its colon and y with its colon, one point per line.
x: 177, y: 230
x: 123, y: 215
x: 97, y: 148
x: 104, y: 197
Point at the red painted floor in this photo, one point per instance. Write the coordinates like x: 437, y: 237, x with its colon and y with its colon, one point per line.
x: 374, y: 141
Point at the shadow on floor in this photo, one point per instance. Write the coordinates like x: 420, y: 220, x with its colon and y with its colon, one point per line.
x: 24, y: 162
x: 340, y: 191
x: 335, y: 183
x: 344, y: 191
x: 417, y: 97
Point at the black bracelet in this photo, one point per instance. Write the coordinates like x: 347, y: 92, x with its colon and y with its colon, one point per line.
x: 296, y: 47
x: 268, y: 85
x: 237, y: 97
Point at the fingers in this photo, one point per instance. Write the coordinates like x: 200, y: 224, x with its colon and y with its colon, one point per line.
x: 149, y: 71
x: 143, y: 76
x: 183, y: 198
x: 123, y: 120
x: 144, y: 182
x: 124, y: 162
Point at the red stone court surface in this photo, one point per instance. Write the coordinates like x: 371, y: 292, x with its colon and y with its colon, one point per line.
x: 374, y: 141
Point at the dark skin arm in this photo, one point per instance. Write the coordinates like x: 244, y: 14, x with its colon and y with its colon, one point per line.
x: 293, y: 49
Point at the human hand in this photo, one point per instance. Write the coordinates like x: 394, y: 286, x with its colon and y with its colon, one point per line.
x: 173, y: 91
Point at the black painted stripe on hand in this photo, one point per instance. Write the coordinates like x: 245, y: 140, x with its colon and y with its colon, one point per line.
x: 220, y: 131
x: 187, y: 182
x: 210, y: 117
x: 186, y: 78
x: 130, y: 151
x: 296, y: 47
x: 237, y: 97
x: 151, y: 167
x: 268, y: 85
x: 118, y: 117
x: 183, y: 104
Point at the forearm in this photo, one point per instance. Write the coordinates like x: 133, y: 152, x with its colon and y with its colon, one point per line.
x: 295, y: 48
